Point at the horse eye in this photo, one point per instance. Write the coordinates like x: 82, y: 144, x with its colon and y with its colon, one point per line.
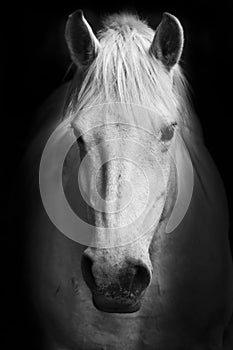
x: 81, y: 144
x: 80, y: 141
x: 167, y: 132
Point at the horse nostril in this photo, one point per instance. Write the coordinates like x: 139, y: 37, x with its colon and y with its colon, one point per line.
x: 141, y: 279
x: 134, y: 279
x: 86, y: 266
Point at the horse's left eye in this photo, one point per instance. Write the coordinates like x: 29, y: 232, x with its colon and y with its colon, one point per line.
x: 167, y: 132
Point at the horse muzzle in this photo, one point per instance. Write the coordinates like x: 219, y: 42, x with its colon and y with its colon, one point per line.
x: 119, y: 290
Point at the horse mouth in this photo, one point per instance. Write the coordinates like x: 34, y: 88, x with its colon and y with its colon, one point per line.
x: 105, y: 304
x: 115, y: 300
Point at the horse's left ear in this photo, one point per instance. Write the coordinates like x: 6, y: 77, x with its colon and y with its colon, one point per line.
x: 82, y: 42
x: 168, y: 41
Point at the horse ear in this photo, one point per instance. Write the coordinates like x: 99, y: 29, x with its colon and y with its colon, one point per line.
x: 82, y: 42
x: 168, y: 41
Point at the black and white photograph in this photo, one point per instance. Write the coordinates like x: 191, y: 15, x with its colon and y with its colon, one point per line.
x: 117, y: 229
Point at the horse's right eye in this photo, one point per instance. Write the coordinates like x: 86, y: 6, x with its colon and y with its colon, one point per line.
x: 167, y: 132
x: 80, y: 141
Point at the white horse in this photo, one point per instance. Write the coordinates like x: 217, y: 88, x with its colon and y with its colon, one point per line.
x: 157, y: 272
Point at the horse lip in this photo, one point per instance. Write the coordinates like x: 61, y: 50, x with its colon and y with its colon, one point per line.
x: 111, y: 306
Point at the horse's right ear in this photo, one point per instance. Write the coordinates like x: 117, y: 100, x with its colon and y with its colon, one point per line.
x: 168, y: 41
x: 82, y: 42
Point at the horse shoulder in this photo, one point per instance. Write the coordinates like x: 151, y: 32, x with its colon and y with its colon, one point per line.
x: 210, y: 219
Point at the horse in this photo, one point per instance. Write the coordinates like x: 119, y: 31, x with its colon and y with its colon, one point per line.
x: 154, y: 267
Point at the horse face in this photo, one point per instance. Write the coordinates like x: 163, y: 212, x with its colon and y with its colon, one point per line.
x: 128, y: 169
x: 125, y: 169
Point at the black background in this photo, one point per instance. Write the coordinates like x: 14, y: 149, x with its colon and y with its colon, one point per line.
x: 34, y: 62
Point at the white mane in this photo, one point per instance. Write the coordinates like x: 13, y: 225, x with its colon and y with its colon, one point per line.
x: 124, y: 71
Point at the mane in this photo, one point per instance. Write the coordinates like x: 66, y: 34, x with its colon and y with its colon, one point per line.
x: 124, y: 71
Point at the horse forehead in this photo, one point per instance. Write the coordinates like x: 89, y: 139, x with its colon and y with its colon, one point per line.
x: 119, y: 140
x: 136, y: 117
x: 113, y: 135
